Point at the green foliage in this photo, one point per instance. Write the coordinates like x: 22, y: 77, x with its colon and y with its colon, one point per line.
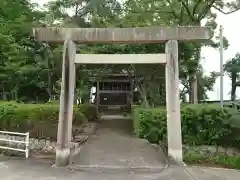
x: 222, y: 160
x: 235, y: 125
x: 31, y: 71
x: 202, y: 124
x: 89, y: 110
x: 150, y: 124
x: 40, y: 120
x: 232, y: 67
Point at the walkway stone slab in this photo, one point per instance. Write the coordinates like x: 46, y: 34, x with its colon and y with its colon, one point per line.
x: 113, y: 147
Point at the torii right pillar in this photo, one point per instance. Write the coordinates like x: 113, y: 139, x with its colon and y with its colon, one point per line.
x: 173, y: 102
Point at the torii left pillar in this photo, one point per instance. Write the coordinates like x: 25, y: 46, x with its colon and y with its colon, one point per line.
x: 66, y: 104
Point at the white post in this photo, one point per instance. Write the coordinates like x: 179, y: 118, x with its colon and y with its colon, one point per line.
x: 221, y: 65
x: 27, y: 145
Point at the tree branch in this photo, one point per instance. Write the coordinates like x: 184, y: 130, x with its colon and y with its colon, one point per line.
x: 196, y: 6
x: 76, y: 10
x: 185, y: 5
x: 173, y: 12
x: 230, y: 12
x: 181, y: 16
x: 205, y: 10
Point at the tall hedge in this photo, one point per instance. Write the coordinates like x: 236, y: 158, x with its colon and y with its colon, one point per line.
x: 41, y: 120
x: 202, y: 124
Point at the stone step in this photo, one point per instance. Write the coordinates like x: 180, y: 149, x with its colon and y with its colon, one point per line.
x: 97, y: 168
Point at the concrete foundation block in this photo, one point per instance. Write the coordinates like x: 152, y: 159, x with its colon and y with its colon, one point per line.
x: 62, y: 157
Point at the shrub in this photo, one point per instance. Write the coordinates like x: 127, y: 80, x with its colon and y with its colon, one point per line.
x: 89, y: 110
x: 202, y: 124
x: 41, y: 120
x: 150, y: 124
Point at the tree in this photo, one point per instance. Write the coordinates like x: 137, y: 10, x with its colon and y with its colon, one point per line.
x: 85, y: 13
x: 183, y: 13
x: 149, y: 13
x: 232, y: 68
x: 31, y: 71
x: 16, y: 44
x: 20, y: 53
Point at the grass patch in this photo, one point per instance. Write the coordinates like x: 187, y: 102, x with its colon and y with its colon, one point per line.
x: 223, y: 161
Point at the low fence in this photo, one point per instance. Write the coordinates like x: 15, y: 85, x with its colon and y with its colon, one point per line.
x: 8, y: 142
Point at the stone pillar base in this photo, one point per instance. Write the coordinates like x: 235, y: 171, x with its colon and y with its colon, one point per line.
x: 62, y: 157
x: 176, y: 155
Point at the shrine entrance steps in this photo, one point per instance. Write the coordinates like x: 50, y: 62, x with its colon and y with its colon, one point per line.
x: 114, y: 110
x: 115, y: 148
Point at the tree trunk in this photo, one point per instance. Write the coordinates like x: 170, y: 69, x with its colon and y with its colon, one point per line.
x: 143, y: 94
x: 16, y: 93
x: 141, y: 87
x: 4, y: 96
x: 50, y: 87
x: 191, y: 91
x: 233, y: 89
x: 195, y: 89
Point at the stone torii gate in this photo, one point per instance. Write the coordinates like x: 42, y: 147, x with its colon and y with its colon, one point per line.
x: 70, y: 36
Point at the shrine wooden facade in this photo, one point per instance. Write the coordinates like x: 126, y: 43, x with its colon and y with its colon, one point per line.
x: 114, y: 91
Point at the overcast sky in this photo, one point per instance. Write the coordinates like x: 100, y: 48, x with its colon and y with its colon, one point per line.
x: 211, y: 58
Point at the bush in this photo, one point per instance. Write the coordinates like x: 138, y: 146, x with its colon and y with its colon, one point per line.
x: 202, y: 124
x: 89, y: 110
x: 41, y: 120
x: 150, y: 124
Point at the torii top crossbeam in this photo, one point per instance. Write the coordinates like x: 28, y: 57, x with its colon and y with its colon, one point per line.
x: 122, y: 35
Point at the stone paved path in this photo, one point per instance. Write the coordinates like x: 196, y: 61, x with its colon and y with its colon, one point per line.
x: 35, y: 170
x: 115, y: 147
